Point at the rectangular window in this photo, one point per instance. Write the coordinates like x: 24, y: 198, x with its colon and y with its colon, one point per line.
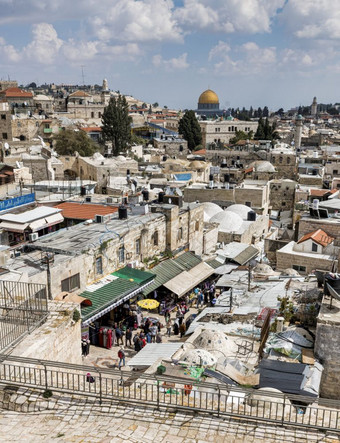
x: 137, y: 243
x: 3, y: 116
x: 92, y: 114
x: 299, y: 268
x: 99, y: 265
x: 4, y: 135
x: 71, y: 283
x: 121, y: 254
x: 314, y: 247
x: 248, y: 204
x: 335, y: 171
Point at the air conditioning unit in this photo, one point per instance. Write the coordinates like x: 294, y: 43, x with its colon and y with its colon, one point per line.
x: 109, y: 200
x: 88, y: 199
x: 34, y: 236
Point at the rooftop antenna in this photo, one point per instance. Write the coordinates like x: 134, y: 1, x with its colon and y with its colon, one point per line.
x: 82, y: 74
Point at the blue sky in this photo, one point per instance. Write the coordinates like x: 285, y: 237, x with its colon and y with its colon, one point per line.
x: 250, y: 52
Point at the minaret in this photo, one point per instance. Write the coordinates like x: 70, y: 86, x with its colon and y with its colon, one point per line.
x: 314, y: 107
x: 298, y: 132
x: 105, y: 94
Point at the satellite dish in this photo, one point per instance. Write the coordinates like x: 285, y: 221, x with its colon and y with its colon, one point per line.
x: 6, y: 145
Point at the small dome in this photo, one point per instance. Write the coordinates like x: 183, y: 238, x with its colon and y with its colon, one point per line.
x: 121, y: 158
x: 262, y: 166
x: 262, y: 268
x: 212, y: 340
x: 210, y: 209
x: 197, y: 164
x: 208, y: 97
x: 291, y: 272
x: 258, y: 399
x: 241, y: 210
x: 198, y: 357
x: 230, y: 118
x: 228, y: 221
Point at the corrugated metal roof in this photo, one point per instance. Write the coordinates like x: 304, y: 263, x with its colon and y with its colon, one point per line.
x: 152, y: 352
x: 214, y: 263
x: 187, y: 280
x: 169, y: 269
x: 29, y: 216
x: 135, y: 275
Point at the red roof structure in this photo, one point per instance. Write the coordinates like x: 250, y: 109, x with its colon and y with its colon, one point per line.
x: 15, y: 93
x: 81, y: 211
x: 319, y: 237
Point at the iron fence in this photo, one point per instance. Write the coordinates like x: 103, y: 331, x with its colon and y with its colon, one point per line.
x: 172, y: 392
x: 23, y: 306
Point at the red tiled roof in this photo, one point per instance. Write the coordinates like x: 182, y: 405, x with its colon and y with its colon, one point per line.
x: 16, y: 92
x: 92, y: 129
x: 322, y: 192
x: 82, y: 211
x: 318, y: 236
x: 201, y: 152
x: 246, y: 171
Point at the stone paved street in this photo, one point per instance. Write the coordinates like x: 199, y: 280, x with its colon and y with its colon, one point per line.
x: 112, y: 423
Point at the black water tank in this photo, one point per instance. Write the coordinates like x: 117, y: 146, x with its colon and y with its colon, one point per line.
x: 145, y: 194
x: 83, y: 190
x: 128, y: 172
x: 233, y: 162
x: 125, y: 200
x: 211, y: 177
x: 161, y: 197
x: 251, y: 216
x: 226, y: 178
x: 122, y: 213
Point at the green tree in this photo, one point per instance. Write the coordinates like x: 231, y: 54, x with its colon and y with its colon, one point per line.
x: 241, y: 135
x: 116, y: 124
x: 265, y: 131
x: 155, y: 105
x: 190, y: 129
x: 68, y: 142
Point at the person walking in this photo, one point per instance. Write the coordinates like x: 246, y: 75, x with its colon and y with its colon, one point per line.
x: 153, y: 331
x: 168, y: 327
x: 158, y: 338
x: 119, y: 334
x: 128, y: 337
x: 182, y: 329
x: 121, y: 355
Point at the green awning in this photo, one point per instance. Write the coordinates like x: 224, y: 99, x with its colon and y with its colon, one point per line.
x: 169, y: 269
x: 135, y: 275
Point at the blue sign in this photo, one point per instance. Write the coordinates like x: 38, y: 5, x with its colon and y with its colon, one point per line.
x: 17, y: 201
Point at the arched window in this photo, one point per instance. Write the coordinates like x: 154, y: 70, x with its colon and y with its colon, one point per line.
x: 197, y: 226
x: 288, y: 160
x: 280, y: 159
x: 180, y: 234
x: 155, y: 238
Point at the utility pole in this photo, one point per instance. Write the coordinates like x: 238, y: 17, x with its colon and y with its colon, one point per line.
x: 49, y: 258
x: 249, y: 276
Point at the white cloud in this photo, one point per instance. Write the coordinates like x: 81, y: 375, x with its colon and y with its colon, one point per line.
x: 8, y: 52
x: 172, y: 64
x: 313, y: 19
x: 45, y: 44
x: 246, y: 16
x: 247, y: 59
x: 137, y: 20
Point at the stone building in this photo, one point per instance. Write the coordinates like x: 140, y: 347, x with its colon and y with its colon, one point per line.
x: 172, y: 146
x: 314, y: 250
x: 221, y: 131
x: 5, y: 123
x: 285, y: 162
x: 19, y: 101
x: 282, y: 194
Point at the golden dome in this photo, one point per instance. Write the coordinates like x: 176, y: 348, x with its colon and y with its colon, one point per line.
x: 208, y: 96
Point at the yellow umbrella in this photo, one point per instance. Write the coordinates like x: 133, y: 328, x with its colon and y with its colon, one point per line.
x: 148, y: 303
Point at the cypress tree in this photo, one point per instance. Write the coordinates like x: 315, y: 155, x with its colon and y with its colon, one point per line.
x: 190, y: 129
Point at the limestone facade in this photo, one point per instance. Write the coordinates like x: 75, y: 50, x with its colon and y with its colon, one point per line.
x: 223, y: 130
x: 172, y: 146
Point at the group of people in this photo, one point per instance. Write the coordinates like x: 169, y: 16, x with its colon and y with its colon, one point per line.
x: 205, y: 295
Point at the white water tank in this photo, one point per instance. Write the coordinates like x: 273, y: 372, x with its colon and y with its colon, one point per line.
x: 316, y: 203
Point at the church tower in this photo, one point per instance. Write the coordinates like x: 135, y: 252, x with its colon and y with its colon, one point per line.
x: 298, y: 132
x: 105, y: 94
x: 314, y: 107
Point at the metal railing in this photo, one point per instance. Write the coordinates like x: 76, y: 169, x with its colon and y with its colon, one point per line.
x: 23, y: 307
x: 171, y: 392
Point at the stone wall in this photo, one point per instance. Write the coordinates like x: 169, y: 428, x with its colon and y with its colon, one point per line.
x: 286, y: 260
x: 327, y: 348
x: 331, y: 227
x: 271, y: 247
x: 58, y: 339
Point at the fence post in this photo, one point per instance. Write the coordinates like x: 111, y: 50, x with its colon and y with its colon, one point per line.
x: 283, y: 409
x: 100, y: 388
x: 157, y: 385
x: 219, y: 402
x: 45, y: 370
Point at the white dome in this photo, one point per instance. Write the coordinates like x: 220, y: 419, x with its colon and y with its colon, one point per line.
x: 212, y: 340
x: 228, y: 221
x: 121, y: 158
x: 210, y: 209
x: 241, y: 210
x: 262, y: 166
x: 198, y: 357
x: 262, y: 268
x: 291, y: 272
